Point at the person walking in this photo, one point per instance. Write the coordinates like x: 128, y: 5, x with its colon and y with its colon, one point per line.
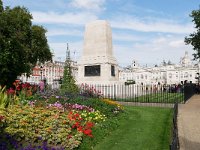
x: 41, y: 85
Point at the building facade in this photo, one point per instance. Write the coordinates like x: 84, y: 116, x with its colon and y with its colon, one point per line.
x: 166, y: 73
x: 52, y: 72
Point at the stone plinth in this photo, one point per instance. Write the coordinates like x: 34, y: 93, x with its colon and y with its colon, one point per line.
x: 97, y: 57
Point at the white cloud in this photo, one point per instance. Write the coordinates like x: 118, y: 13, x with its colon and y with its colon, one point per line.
x: 56, y: 32
x: 80, y: 18
x: 153, y: 51
x: 166, y: 26
x: 95, y: 5
x: 126, y: 37
x: 177, y: 43
x: 59, y: 50
x: 159, y: 40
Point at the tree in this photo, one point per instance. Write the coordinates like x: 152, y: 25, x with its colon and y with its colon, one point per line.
x: 21, y: 44
x: 68, y: 83
x: 194, y: 38
x: 1, y: 6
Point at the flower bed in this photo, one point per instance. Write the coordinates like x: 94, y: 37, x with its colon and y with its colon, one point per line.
x: 51, y: 120
x: 35, y: 125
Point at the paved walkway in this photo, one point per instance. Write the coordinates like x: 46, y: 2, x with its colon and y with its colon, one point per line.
x: 189, y: 124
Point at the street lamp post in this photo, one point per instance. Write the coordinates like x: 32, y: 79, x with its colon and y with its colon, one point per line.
x: 197, y: 77
x: 41, y: 69
x: 197, y: 86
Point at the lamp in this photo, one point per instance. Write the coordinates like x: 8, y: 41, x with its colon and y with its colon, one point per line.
x: 41, y: 69
x: 197, y: 77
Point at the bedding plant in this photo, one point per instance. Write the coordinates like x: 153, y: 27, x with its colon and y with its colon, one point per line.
x: 53, y: 120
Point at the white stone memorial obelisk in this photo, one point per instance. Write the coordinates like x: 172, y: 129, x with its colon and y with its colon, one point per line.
x: 97, y: 64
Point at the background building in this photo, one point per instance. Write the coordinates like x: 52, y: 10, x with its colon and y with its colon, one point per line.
x: 52, y: 72
x: 166, y: 73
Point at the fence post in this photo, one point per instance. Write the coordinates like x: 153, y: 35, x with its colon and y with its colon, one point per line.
x: 115, y: 92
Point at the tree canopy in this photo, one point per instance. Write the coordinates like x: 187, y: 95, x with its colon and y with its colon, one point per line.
x: 21, y: 43
x: 194, y: 38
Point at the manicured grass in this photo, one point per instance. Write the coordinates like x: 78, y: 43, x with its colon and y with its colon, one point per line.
x: 140, y: 128
x: 156, y: 98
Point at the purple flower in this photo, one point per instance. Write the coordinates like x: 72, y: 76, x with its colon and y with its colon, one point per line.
x: 31, y: 103
x: 57, y: 97
x: 56, y: 104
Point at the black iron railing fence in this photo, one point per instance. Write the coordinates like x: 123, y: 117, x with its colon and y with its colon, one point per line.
x: 138, y: 93
x: 174, y: 145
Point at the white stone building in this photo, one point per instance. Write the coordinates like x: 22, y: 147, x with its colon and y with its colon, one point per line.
x: 166, y: 73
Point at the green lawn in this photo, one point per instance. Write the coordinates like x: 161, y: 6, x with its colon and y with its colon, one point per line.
x: 156, y: 98
x: 140, y: 128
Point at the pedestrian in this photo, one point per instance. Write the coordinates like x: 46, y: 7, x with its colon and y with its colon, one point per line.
x: 41, y: 85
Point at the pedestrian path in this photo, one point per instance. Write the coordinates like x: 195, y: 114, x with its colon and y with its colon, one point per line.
x: 189, y: 124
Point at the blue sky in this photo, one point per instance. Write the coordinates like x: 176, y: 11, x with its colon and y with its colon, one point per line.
x: 148, y: 31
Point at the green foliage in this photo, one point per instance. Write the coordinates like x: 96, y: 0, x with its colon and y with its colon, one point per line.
x: 2, y: 118
x: 1, y: 6
x: 40, y: 45
x: 68, y: 83
x: 4, y: 100
x: 21, y: 44
x: 194, y: 38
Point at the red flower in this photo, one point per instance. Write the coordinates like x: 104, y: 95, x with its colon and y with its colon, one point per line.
x: 88, y: 132
x: 89, y: 125
x: 76, y: 125
x: 11, y: 91
x: 69, y: 136
x: 18, y: 88
x: 1, y: 118
x: 80, y: 128
x: 76, y: 115
x: 24, y: 86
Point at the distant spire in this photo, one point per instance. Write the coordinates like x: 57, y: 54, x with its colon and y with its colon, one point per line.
x: 67, y: 53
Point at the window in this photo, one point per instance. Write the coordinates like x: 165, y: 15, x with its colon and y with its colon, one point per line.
x: 92, y: 70
x: 170, y: 75
x: 186, y: 75
x: 142, y: 76
x: 112, y: 70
